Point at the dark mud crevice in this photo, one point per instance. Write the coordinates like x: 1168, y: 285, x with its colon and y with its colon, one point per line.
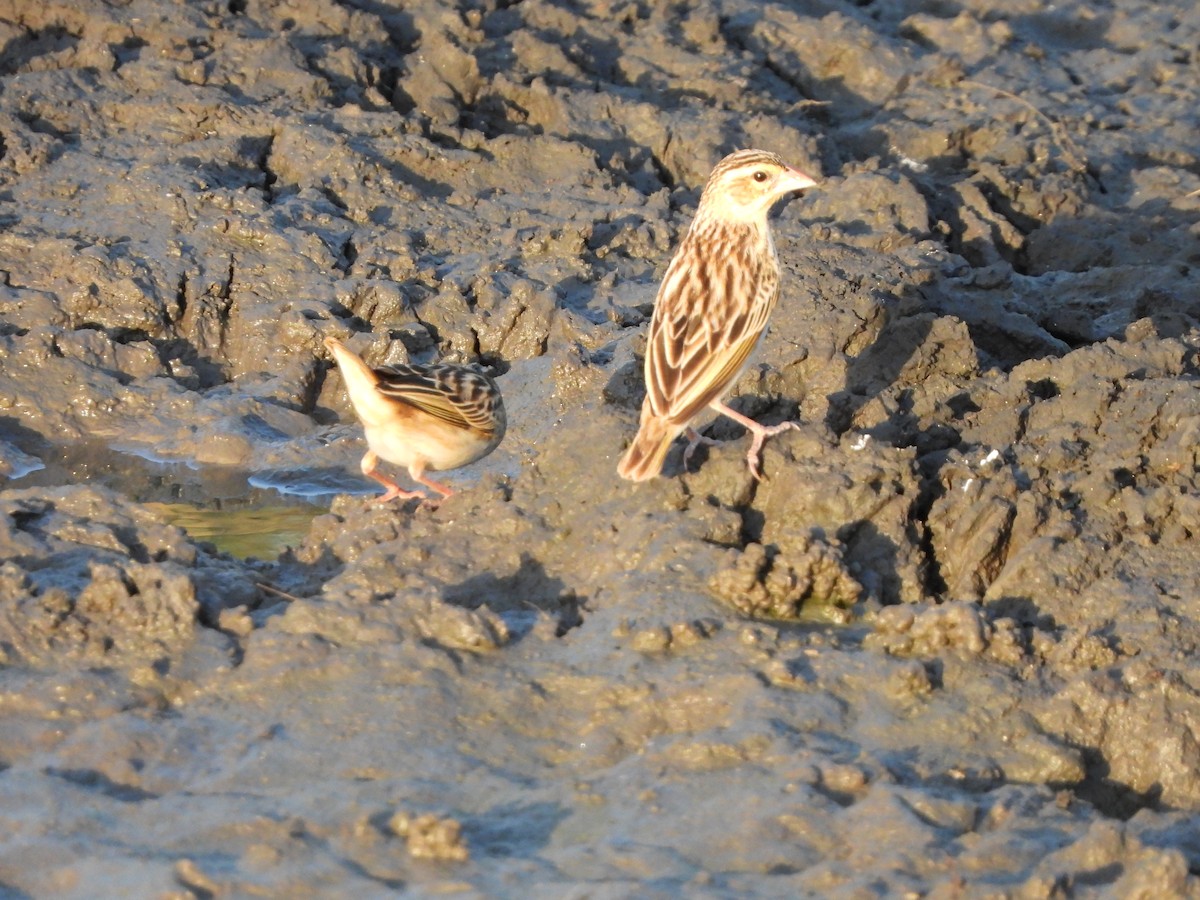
x: 930, y: 490
x: 34, y: 43
x: 39, y: 125
x: 262, y: 160
x: 495, y: 834
x: 1111, y: 798
x: 219, y: 308
x: 176, y: 316
x: 127, y: 51
x: 346, y: 256
x: 99, y: 782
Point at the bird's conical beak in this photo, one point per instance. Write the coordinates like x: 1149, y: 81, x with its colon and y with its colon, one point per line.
x: 795, y: 180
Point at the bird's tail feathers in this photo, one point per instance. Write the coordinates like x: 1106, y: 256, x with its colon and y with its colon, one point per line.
x: 644, y: 458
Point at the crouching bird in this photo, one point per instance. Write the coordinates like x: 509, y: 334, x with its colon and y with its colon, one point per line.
x: 436, y: 417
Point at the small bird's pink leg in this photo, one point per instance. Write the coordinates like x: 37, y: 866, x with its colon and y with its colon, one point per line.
x: 695, y: 439
x: 418, y: 474
x: 369, y: 462
x: 760, y: 432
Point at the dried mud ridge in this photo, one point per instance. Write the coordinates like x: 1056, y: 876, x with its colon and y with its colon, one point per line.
x: 947, y: 644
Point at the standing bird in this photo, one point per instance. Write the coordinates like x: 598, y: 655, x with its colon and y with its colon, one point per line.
x: 712, y: 309
x: 436, y: 417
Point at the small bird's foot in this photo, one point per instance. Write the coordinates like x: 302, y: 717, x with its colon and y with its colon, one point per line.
x: 431, y: 502
x: 695, y: 439
x: 395, y: 491
x: 761, y: 433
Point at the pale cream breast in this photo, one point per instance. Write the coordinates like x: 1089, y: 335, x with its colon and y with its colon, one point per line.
x: 428, y: 441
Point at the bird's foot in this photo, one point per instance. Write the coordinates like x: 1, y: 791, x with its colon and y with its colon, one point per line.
x: 432, y: 502
x: 761, y: 433
x: 695, y: 439
x: 391, y: 489
x: 394, y: 491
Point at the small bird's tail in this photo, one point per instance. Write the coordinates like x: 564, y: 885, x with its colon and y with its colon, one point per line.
x: 644, y: 458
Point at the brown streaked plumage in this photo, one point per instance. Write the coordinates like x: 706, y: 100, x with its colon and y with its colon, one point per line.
x: 712, y: 309
x: 436, y: 417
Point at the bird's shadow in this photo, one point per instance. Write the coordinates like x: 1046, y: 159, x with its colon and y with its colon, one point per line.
x: 520, y: 597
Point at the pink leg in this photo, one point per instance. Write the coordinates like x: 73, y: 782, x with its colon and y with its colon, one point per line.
x: 695, y: 439
x: 760, y: 432
x: 369, y: 462
x: 418, y: 474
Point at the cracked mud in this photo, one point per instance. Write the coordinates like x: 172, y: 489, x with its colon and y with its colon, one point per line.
x: 947, y: 646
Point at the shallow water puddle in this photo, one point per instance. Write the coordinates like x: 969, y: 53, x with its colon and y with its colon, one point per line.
x: 238, y: 513
x: 256, y: 531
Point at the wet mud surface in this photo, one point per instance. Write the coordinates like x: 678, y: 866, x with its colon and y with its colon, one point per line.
x: 947, y: 646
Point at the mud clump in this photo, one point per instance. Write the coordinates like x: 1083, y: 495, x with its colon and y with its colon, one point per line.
x: 430, y: 837
x: 787, y: 583
x: 957, y: 627
x: 91, y: 579
x: 945, y: 645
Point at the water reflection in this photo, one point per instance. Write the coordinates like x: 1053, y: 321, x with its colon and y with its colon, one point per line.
x: 244, y: 531
x: 246, y: 515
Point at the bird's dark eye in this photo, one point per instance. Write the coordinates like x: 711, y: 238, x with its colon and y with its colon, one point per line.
x: 760, y: 176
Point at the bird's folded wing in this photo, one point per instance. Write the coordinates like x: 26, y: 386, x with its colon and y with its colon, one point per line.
x: 692, y: 359
x: 449, y: 395
x: 705, y: 377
